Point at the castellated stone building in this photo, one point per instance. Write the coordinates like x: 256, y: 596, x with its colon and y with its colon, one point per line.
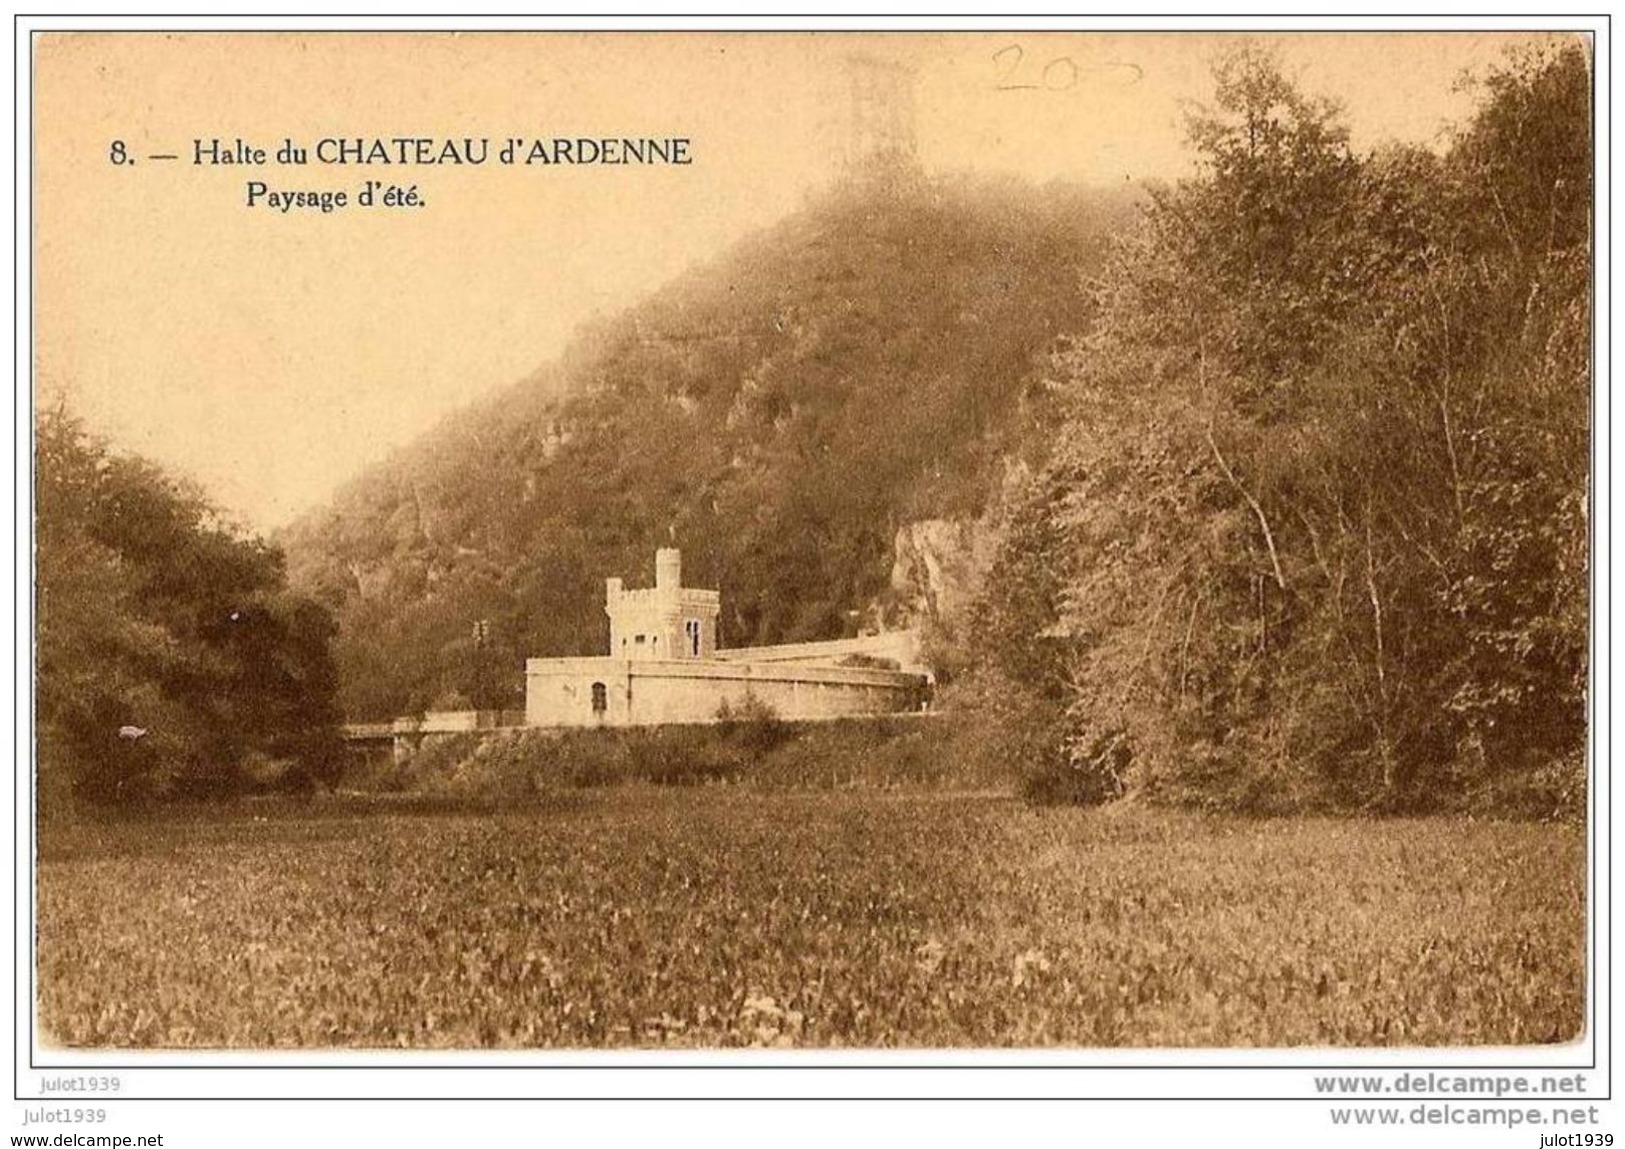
x: 665, y: 621
x: 663, y: 666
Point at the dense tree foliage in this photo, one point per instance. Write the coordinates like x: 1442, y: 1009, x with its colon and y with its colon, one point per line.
x: 171, y: 657
x: 778, y: 414
x: 1320, y: 501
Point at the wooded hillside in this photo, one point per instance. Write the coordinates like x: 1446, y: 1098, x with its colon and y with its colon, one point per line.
x: 778, y: 414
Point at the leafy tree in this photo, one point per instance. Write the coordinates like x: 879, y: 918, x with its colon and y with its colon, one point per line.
x: 169, y: 652
x: 1324, y: 466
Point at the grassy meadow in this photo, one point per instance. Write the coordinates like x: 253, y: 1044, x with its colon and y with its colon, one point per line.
x: 727, y: 916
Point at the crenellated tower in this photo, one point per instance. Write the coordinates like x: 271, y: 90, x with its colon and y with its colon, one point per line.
x: 665, y: 621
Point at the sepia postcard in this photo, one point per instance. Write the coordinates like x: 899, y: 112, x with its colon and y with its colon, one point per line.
x: 1071, y: 545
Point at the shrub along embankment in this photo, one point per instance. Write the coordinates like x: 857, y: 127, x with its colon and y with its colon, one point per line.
x: 855, y: 753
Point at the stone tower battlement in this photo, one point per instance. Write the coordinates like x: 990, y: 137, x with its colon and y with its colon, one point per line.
x: 665, y: 621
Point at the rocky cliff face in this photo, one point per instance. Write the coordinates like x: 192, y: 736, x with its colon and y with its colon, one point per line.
x: 939, y: 568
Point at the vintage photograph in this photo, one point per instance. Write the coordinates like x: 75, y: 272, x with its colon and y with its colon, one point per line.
x: 801, y: 541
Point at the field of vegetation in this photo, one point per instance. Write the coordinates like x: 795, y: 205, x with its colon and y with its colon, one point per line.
x: 725, y: 916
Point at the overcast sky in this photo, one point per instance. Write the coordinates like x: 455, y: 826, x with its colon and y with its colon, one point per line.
x: 273, y: 356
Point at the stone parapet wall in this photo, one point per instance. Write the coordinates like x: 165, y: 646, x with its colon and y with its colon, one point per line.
x: 456, y: 721
x: 561, y: 691
x: 900, y: 646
